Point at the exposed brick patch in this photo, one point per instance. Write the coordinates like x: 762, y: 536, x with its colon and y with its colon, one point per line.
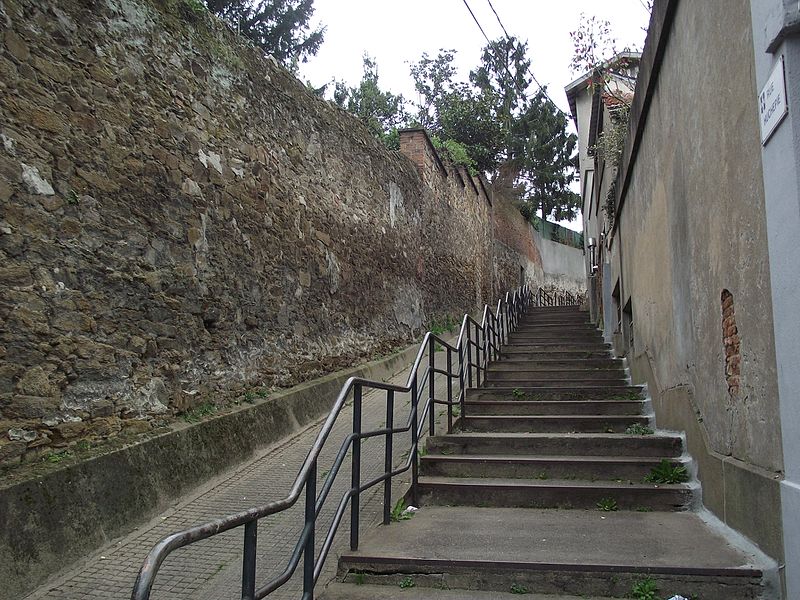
x: 730, y: 337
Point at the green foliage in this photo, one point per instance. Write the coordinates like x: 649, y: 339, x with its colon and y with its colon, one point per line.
x: 455, y: 153
x: 381, y: 112
x: 57, y: 457
x: 407, y: 582
x: 520, y: 139
x: 278, y: 27
x: 645, y: 589
x: 359, y: 578
x: 399, y: 512
x: 607, y: 505
x: 198, y: 413
x: 518, y: 588
x: 638, y: 429
x: 447, y: 325
x: 196, y: 5
x: 518, y: 393
x: 666, y: 472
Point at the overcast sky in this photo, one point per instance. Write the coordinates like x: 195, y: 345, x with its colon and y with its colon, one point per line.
x: 397, y: 33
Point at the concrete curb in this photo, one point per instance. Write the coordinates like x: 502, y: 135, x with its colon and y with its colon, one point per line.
x: 49, y: 522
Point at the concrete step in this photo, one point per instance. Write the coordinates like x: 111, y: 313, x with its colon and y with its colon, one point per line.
x: 557, y: 444
x: 539, y: 382
x: 556, y: 349
x: 555, y: 346
x: 576, y: 325
x: 543, y: 374
x: 588, y: 468
x: 583, y: 553
x: 556, y: 320
x: 553, y: 407
x: 425, y: 587
x: 545, y: 310
x: 553, y: 493
x: 550, y: 423
x: 532, y: 337
x: 548, y: 392
x: 543, y: 362
x: 523, y: 352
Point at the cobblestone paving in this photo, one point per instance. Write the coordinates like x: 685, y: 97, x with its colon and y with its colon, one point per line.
x: 211, y: 569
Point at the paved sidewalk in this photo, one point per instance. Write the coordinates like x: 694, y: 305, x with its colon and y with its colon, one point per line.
x: 211, y: 569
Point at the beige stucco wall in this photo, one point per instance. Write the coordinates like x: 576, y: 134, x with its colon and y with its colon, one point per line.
x: 693, y: 224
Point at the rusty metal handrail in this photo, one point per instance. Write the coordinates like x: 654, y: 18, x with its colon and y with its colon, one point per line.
x: 489, y: 335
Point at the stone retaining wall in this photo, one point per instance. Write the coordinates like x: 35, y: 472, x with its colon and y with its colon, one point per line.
x: 185, y: 224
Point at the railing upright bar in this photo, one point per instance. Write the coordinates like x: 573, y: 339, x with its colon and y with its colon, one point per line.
x: 461, y: 379
x: 249, y: 560
x: 487, y: 334
x: 311, y: 517
x: 469, y: 354
x: 387, y: 461
x: 431, y: 384
x: 478, y: 355
x: 449, y: 391
x: 414, y: 440
x: 356, y: 469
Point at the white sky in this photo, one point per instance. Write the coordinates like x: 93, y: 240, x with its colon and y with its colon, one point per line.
x: 395, y: 34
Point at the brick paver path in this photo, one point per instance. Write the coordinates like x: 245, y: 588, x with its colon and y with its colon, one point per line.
x: 211, y: 569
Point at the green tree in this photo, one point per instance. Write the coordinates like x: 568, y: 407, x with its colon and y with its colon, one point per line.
x: 381, y: 111
x: 548, y: 166
x: 519, y: 140
x: 455, y: 111
x: 279, y: 27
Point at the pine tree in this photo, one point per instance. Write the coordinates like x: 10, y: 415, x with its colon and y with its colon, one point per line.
x: 279, y: 27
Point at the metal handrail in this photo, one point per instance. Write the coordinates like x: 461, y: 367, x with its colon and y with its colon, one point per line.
x: 489, y: 335
x: 557, y: 298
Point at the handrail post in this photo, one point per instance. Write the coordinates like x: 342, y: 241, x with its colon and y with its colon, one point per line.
x: 469, y: 355
x: 463, y: 393
x: 249, y: 560
x: 388, y: 463
x: 478, y: 355
x: 356, y: 468
x: 414, y: 439
x: 503, y: 326
x: 431, y: 383
x: 311, y: 517
x: 449, y: 390
x: 487, y: 345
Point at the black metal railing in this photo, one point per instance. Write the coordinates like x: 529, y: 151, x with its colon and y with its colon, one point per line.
x: 466, y: 363
x: 557, y: 298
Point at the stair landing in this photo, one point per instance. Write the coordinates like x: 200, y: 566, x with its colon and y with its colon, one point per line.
x: 556, y: 552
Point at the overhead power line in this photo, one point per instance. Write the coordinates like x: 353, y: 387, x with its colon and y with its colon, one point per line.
x: 478, y: 23
x: 536, y: 81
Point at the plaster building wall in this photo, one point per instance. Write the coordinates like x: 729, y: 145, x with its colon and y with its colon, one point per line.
x: 690, y: 255
x: 184, y: 222
x: 776, y: 41
x: 563, y: 266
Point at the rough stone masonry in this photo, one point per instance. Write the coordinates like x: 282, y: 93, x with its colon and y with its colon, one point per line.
x: 182, y: 220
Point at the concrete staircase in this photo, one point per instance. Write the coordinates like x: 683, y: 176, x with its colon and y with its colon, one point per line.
x: 555, y: 425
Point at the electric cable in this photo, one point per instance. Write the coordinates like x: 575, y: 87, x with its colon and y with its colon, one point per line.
x: 536, y: 81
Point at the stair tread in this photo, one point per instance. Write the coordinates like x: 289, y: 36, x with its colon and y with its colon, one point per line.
x: 658, y: 541
x: 495, y: 482
x: 558, y: 417
x: 522, y: 458
x: 546, y: 402
x: 469, y: 435
x: 345, y: 591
